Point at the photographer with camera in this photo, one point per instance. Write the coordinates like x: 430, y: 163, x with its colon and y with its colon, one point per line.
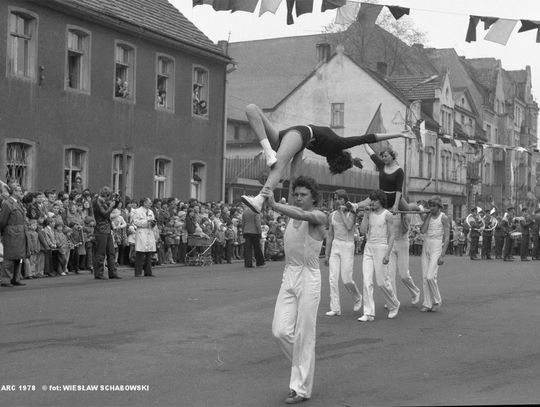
x: 145, y: 240
x: 103, y: 205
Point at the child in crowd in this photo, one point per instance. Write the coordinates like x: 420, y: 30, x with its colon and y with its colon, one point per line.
x: 61, y: 250
x: 89, y: 239
x: 229, y: 242
x: 274, y: 250
x: 169, y: 240
x: 51, y: 254
x: 131, y: 242
x: 75, y: 238
x: 264, y: 233
x: 118, y: 231
x: 239, y: 248
x: 219, y: 244
x: 44, y: 255
x: 460, y: 239
x: 33, y: 247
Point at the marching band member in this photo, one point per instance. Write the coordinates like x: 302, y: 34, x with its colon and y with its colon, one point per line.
x: 487, y: 235
x: 474, y: 233
x: 507, y: 223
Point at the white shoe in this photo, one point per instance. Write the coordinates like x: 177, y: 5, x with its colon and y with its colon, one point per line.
x: 366, y: 318
x: 333, y: 314
x: 357, y: 305
x: 255, y: 203
x: 415, y: 299
x: 392, y: 314
x: 271, y: 158
x: 435, y: 307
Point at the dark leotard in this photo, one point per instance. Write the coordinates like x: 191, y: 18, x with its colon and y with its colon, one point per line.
x: 325, y: 141
x: 389, y: 183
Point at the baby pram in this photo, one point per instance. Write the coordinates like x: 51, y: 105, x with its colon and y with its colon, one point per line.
x: 200, y: 250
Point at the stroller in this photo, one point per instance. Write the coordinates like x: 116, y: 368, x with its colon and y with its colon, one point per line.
x: 200, y: 253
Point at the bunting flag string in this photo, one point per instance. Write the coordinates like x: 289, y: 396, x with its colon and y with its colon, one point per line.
x: 349, y: 11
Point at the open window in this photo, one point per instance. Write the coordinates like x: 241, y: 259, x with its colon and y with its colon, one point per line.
x: 200, y: 91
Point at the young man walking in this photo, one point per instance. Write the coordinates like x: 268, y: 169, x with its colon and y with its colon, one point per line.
x: 377, y: 226
x: 340, y: 253
x: 295, y: 315
x: 436, y: 229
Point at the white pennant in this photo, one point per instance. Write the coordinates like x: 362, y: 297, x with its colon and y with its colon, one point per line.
x: 269, y: 5
x: 500, y: 31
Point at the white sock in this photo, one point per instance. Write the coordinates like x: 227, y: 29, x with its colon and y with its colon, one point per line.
x: 267, y: 148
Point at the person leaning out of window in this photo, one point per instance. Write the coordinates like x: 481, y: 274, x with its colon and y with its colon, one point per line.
x: 145, y: 241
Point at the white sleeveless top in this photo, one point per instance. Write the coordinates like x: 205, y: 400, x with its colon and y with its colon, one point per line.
x: 340, y: 231
x: 435, y: 228
x: 378, y: 230
x: 300, y: 248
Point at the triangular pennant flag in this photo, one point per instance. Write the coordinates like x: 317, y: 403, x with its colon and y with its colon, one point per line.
x: 346, y: 14
x: 471, y: 31
x: 332, y: 4
x: 368, y: 14
x: 201, y: 2
x: 459, y: 143
x: 376, y: 126
x: 302, y: 7
x: 527, y: 25
x: 269, y: 5
x: 488, y: 21
x: 500, y: 31
x: 398, y: 12
x: 244, y: 5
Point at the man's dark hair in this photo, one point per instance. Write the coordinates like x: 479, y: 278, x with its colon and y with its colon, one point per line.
x: 378, y: 195
x: 309, y: 183
x: 340, y: 162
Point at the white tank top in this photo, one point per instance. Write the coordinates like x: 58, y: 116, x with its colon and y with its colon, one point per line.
x: 378, y: 230
x: 435, y: 228
x: 340, y: 231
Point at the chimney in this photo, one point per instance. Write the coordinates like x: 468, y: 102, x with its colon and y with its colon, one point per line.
x: 224, y: 45
x: 382, y: 68
x: 323, y: 52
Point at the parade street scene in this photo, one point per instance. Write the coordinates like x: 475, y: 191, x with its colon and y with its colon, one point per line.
x: 269, y: 202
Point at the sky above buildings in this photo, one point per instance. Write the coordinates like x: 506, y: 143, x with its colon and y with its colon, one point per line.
x: 444, y: 22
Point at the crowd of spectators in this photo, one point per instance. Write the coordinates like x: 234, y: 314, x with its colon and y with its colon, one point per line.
x: 61, y: 227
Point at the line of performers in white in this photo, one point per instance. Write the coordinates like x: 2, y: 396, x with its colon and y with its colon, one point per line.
x: 386, y: 254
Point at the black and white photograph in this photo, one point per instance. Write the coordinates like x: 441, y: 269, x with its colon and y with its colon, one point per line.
x: 230, y: 203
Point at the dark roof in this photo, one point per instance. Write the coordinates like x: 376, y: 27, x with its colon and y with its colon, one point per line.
x: 418, y: 87
x: 485, y: 71
x: 267, y: 70
x: 157, y: 16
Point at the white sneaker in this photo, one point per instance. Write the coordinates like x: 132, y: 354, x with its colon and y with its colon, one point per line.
x: 255, y: 203
x: 366, y: 318
x: 271, y: 158
x: 435, y: 307
x: 333, y: 314
x: 415, y: 299
x: 392, y: 314
x: 358, y: 305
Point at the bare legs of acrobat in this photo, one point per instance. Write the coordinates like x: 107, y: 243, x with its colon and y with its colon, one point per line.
x: 268, y: 136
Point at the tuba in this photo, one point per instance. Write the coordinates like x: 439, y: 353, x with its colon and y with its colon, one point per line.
x: 493, y: 223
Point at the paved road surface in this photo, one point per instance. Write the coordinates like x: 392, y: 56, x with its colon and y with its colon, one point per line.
x: 201, y: 337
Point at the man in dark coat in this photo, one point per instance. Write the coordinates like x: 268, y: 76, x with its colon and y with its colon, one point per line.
x: 12, y: 228
x: 251, y: 223
x: 103, y: 205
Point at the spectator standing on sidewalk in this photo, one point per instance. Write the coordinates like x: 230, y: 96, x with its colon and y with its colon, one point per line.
x: 251, y: 222
x: 12, y: 227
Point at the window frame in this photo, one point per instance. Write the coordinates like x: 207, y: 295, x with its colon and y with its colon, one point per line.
x: 86, y: 66
x: 31, y: 164
x: 33, y: 50
x: 84, y: 167
x: 201, y: 185
x: 115, y: 175
x: 168, y: 181
x: 170, y: 84
x: 206, y: 92
x: 132, y: 71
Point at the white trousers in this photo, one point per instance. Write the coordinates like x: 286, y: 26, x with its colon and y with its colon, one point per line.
x: 373, y: 264
x: 399, y: 261
x: 341, y: 262
x: 294, y: 324
x: 430, y: 255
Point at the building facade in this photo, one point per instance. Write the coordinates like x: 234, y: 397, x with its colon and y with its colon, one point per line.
x: 113, y: 93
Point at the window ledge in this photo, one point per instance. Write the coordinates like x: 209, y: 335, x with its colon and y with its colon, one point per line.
x: 124, y: 100
x: 25, y: 79
x: 200, y: 116
x: 77, y: 91
x: 164, y: 110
